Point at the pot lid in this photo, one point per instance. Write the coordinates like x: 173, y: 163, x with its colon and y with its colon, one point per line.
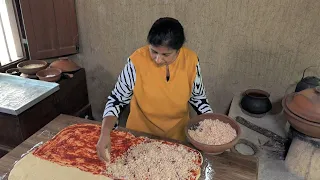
x: 306, y: 104
x: 65, y: 64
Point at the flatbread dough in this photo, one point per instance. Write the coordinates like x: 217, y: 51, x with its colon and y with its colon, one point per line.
x: 31, y: 167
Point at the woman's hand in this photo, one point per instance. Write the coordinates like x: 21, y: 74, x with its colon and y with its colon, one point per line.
x: 104, y: 147
x: 104, y: 143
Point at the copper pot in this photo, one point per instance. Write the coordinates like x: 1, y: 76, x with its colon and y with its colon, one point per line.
x: 302, y: 110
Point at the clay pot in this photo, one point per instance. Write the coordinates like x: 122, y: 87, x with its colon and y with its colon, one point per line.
x: 214, y: 149
x: 50, y: 74
x: 25, y: 66
x: 65, y: 64
x: 256, y: 101
x: 306, y: 104
x: 13, y: 71
x: 302, y: 110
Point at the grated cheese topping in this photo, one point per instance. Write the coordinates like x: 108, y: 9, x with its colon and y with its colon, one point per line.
x: 155, y: 160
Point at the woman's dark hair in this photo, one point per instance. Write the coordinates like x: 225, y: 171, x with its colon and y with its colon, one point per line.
x: 167, y: 32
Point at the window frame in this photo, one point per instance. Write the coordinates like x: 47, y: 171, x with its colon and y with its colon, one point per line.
x: 22, y: 36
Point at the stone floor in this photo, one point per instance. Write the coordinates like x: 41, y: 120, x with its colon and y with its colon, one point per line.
x: 270, y: 167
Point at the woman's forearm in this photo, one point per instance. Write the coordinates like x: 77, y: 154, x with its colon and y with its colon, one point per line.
x: 107, y: 125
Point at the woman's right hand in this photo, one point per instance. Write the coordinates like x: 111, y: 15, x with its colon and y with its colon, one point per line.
x: 104, y: 143
x: 104, y: 147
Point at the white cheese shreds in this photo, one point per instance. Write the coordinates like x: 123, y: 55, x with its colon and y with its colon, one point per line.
x: 154, y: 160
x: 213, y: 132
x: 31, y: 66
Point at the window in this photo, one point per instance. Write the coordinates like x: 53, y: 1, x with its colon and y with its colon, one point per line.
x: 10, y: 40
x: 37, y: 29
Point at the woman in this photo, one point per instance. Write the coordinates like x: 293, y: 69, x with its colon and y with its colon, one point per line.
x: 159, y: 80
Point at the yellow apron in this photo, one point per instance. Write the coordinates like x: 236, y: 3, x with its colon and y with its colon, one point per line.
x: 158, y: 106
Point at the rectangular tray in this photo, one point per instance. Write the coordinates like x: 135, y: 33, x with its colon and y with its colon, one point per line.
x: 17, y: 94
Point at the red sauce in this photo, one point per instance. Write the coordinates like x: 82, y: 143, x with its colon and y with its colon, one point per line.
x: 194, y: 175
x: 76, y: 146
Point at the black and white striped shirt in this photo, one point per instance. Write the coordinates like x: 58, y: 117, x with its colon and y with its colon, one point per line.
x: 123, y: 91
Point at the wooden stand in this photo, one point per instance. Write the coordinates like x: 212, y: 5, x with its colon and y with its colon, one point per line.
x: 71, y: 99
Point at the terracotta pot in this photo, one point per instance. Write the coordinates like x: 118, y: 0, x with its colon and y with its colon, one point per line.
x: 215, y: 149
x: 50, y: 74
x: 65, y: 64
x: 302, y: 111
x: 32, y: 70
x: 305, y: 104
x: 256, y: 101
x: 304, y: 126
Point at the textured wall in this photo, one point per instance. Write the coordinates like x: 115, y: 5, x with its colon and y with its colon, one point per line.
x: 241, y: 44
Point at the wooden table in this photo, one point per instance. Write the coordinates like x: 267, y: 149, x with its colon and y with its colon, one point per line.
x: 226, y: 166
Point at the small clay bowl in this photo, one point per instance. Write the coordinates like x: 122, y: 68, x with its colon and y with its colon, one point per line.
x: 50, y: 74
x: 13, y: 71
x: 25, y: 66
x: 213, y: 149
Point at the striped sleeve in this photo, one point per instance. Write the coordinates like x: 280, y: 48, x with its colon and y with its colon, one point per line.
x: 122, y: 93
x: 198, y: 99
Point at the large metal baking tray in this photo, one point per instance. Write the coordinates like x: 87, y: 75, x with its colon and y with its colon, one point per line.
x: 17, y: 94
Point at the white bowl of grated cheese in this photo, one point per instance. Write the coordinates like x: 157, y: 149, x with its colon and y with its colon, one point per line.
x: 213, y: 132
x: 31, y: 67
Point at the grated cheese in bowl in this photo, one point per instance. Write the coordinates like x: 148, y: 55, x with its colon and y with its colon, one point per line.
x: 213, y: 132
x: 31, y: 66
